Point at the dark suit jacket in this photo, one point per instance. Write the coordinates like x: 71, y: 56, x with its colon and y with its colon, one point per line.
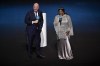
x: 30, y: 16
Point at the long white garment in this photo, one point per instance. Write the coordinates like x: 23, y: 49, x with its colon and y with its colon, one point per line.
x: 44, y: 32
x: 64, y: 48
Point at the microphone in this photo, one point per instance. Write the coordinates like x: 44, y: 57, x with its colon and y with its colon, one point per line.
x: 37, y: 17
x: 60, y: 19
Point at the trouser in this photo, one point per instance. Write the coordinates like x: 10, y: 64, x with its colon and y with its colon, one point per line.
x: 33, y: 35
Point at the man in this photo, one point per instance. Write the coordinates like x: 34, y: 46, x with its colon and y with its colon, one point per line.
x: 34, y: 22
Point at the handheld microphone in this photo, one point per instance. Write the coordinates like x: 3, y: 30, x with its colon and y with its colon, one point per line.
x: 37, y: 17
x: 60, y: 19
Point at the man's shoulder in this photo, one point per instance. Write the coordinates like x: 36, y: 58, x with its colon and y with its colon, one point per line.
x: 30, y: 11
x: 40, y: 11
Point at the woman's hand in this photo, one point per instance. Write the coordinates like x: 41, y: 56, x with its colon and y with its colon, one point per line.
x: 56, y: 23
x: 67, y: 33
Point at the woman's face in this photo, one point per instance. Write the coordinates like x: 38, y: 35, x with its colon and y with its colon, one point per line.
x: 61, y: 12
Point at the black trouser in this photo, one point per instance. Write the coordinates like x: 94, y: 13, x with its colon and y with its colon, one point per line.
x: 33, y: 35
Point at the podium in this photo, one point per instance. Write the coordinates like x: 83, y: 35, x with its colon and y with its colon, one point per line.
x: 44, y: 32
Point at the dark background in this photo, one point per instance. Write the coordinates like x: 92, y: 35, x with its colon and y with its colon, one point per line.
x: 85, y: 15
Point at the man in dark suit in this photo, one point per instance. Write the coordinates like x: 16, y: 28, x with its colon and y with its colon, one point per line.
x: 34, y: 22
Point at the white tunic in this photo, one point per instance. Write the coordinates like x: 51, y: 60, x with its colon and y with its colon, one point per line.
x: 66, y: 25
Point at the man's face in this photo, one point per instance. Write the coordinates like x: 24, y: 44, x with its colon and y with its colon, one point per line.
x: 36, y: 7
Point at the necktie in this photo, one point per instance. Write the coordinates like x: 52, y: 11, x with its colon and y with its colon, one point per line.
x: 36, y: 14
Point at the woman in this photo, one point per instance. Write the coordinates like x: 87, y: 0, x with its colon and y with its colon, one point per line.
x: 64, y: 29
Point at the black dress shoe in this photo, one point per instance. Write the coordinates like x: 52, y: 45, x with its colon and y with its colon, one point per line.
x: 40, y: 56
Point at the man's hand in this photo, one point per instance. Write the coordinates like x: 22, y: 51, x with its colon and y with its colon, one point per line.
x: 36, y: 21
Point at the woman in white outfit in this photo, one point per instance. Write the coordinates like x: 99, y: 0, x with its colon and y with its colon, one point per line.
x: 64, y: 29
